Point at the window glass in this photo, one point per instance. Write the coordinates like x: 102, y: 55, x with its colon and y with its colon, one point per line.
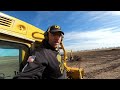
x: 9, y: 62
x: 10, y: 59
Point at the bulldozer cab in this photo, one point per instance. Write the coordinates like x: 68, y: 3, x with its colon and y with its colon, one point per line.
x: 17, y: 40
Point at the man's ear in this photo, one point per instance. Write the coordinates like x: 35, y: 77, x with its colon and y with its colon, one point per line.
x: 46, y: 34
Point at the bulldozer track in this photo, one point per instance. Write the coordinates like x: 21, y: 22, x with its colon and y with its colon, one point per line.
x: 96, y: 72
x: 104, y: 62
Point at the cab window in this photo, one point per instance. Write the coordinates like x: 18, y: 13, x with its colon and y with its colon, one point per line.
x: 10, y: 58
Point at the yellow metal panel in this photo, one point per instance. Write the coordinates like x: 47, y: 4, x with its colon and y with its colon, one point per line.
x: 19, y: 28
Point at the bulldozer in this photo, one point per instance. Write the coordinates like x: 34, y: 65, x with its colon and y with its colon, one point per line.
x: 17, y: 39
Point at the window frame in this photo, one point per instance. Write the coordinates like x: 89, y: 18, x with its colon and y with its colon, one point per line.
x: 20, y: 47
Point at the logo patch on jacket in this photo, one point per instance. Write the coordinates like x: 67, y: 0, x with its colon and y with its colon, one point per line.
x: 31, y: 58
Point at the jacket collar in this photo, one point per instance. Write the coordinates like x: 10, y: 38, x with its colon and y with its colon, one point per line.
x: 47, y: 45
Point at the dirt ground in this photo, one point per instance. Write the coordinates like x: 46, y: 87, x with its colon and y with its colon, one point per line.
x: 102, y: 64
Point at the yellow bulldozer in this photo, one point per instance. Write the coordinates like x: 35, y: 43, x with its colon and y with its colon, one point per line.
x: 17, y: 39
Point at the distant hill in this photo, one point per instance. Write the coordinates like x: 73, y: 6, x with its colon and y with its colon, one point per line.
x: 8, y: 57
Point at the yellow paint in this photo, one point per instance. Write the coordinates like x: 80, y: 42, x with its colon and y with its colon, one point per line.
x: 15, y: 30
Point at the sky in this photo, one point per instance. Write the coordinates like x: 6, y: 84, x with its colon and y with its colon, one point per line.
x: 84, y: 30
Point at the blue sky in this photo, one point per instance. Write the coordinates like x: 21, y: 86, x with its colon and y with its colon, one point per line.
x: 84, y: 30
x: 9, y: 52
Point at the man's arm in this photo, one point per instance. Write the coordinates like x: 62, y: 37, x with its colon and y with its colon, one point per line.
x: 32, y: 70
x: 34, y: 67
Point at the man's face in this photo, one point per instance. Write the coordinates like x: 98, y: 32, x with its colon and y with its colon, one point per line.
x: 54, y: 39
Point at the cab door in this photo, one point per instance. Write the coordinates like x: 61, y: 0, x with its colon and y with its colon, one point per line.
x: 11, y: 56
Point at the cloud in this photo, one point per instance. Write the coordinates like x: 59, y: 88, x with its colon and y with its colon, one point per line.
x: 95, y: 15
x: 48, y: 18
x: 41, y: 17
x: 103, y: 37
x: 103, y: 15
x: 84, y: 30
x: 114, y: 12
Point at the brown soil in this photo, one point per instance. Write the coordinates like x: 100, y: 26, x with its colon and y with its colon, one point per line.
x: 102, y: 64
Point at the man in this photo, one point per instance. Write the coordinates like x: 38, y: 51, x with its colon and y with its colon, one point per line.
x: 45, y: 61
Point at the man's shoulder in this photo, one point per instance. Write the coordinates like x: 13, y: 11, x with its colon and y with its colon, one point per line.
x: 42, y: 47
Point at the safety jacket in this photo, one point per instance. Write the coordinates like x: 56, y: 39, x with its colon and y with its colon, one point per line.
x: 44, y: 63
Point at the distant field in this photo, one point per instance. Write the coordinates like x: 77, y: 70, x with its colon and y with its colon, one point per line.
x: 8, y: 65
x: 102, y: 64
